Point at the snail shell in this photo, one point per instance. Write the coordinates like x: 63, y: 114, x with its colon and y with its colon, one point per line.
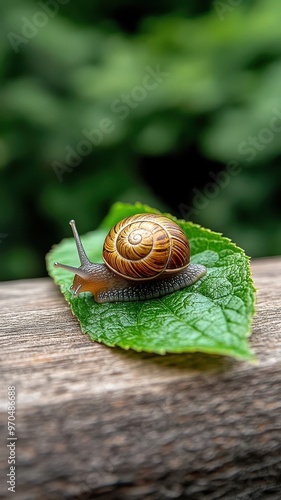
x: 145, y: 246
x: 146, y: 256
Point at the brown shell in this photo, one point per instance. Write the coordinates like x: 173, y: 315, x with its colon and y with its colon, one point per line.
x: 143, y: 246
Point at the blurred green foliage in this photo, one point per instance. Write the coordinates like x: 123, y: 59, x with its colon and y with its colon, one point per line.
x: 165, y: 91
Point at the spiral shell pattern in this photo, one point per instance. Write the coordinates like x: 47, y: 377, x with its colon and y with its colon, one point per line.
x: 144, y: 246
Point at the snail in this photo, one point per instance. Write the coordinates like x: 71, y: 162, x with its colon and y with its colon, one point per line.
x: 145, y: 256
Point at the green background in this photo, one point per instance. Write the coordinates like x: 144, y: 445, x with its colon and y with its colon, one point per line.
x: 200, y: 139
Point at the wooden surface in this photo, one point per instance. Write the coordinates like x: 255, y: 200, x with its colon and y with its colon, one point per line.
x: 98, y: 422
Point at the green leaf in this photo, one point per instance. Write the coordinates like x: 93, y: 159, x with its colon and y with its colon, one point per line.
x: 212, y: 316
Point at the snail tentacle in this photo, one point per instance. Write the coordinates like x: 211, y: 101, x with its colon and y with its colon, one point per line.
x: 146, y: 256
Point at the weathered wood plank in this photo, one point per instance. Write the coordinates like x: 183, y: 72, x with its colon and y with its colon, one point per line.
x: 96, y: 422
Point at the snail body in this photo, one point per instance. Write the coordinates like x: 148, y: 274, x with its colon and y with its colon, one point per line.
x: 145, y: 256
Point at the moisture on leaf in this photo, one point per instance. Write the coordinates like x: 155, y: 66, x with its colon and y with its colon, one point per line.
x: 212, y: 316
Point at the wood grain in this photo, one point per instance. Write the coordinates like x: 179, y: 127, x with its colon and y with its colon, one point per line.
x: 98, y: 422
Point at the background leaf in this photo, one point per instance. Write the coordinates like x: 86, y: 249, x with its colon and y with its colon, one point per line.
x: 216, y: 104
x: 213, y: 315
